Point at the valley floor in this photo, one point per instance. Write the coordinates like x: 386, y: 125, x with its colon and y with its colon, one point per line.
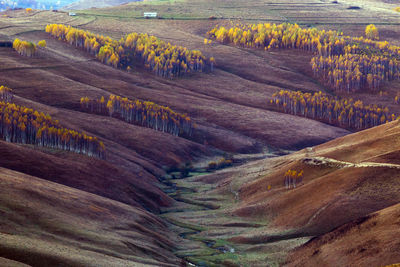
x: 62, y: 209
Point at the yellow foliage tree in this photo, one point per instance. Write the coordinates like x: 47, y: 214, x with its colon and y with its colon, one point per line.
x: 163, y: 58
x: 42, y: 44
x: 371, y: 32
x: 24, y: 48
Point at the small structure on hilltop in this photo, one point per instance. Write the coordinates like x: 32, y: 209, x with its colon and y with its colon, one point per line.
x: 148, y: 15
x: 71, y: 14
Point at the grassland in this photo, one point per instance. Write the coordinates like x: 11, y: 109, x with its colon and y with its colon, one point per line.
x: 224, y: 218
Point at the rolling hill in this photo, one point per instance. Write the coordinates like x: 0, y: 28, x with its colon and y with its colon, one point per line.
x: 133, y: 208
x: 261, y: 219
x: 372, y: 239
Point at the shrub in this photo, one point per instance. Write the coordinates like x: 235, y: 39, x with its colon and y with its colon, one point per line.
x: 222, y: 163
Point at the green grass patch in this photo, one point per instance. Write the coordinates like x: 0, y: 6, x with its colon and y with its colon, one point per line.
x: 204, y: 252
x: 186, y: 225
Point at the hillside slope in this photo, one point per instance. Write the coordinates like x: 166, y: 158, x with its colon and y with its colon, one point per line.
x: 47, y: 224
x: 337, y: 187
x: 56, y: 205
x: 373, y: 240
x: 253, y: 212
x: 231, y: 101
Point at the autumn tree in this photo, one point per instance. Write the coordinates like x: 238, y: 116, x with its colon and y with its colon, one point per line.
x: 161, y: 57
x: 293, y: 178
x: 342, y: 62
x: 344, y: 112
x: 6, y: 94
x: 143, y: 113
x: 24, y: 48
x: 42, y: 44
x: 371, y: 32
x: 20, y: 124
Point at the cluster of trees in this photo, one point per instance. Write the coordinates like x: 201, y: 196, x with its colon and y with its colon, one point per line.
x: 292, y: 178
x: 27, y: 49
x: 344, y: 63
x: 162, y: 58
x: 6, y: 94
x: 27, y: 126
x: 24, y: 48
x: 147, y: 114
x: 353, y: 72
x: 346, y: 113
x: 365, y: 46
x: 286, y: 35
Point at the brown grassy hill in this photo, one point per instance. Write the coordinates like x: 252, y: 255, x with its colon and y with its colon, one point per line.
x: 232, y: 101
x: 70, y: 205
x: 48, y: 224
x: 263, y: 225
x: 373, y: 240
x: 135, y: 186
x: 341, y: 183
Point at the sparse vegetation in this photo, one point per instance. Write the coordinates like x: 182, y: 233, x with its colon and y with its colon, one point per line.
x: 293, y: 178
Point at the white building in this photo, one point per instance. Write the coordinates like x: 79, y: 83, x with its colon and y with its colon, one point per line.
x: 150, y: 15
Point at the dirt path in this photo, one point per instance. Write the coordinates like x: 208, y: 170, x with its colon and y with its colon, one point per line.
x: 343, y: 164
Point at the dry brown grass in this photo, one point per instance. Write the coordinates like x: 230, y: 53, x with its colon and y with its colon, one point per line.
x: 231, y: 109
x: 48, y: 224
x: 372, y: 240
